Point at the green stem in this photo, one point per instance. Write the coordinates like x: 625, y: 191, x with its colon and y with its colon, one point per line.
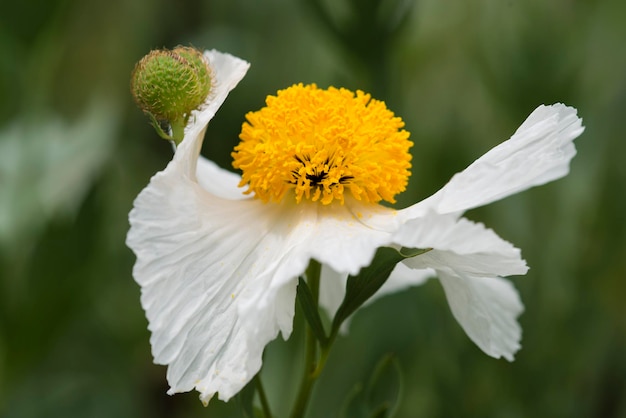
x: 178, y: 130
x: 267, y: 413
x: 325, y: 351
x: 310, y: 367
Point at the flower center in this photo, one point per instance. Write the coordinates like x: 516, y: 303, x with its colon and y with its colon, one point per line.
x: 317, y: 144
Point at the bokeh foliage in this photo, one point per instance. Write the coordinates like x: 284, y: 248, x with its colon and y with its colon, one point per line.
x: 462, y: 74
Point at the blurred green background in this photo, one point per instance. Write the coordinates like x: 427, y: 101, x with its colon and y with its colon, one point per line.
x: 74, y: 152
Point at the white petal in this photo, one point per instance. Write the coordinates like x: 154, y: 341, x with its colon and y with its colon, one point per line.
x: 538, y: 152
x: 166, y: 234
x: 217, y: 181
x: 487, y: 308
x: 196, y: 265
x: 345, y: 237
x: 218, y: 276
x: 227, y: 72
x: 461, y: 244
x: 457, y: 243
x: 332, y: 289
x: 467, y: 258
x: 402, y: 277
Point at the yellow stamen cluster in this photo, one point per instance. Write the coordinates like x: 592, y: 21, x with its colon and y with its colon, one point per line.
x: 318, y: 144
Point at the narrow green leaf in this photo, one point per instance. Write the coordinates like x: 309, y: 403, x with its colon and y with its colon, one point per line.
x: 363, y: 286
x: 385, y: 387
x: 381, y: 412
x: 310, y: 311
x: 258, y: 413
x: 413, y: 252
x: 157, y: 127
x: 245, y: 398
x: 354, y: 404
x: 380, y: 397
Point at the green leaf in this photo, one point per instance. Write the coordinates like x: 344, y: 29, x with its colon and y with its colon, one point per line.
x: 384, y: 390
x: 354, y: 405
x: 413, y: 252
x: 380, y: 397
x: 381, y: 412
x: 310, y: 311
x: 245, y: 398
x: 157, y: 127
x: 363, y: 286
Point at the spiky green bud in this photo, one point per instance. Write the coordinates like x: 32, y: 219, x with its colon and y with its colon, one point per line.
x: 169, y: 84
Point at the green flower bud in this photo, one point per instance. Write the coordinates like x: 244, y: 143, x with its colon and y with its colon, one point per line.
x: 169, y: 85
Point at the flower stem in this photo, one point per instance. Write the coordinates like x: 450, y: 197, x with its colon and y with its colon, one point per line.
x: 310, y: 367
x: 261, y: 391
x: 178, y: 130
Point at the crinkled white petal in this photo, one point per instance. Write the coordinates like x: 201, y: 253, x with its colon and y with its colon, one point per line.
x: 467, y: 258
x: 538, y: 152
x: 487, y: 309
x: 460, y: 243
x: 194, y: 264
x: 332, y: 289
x: 218, y: 181
x: 402, y: 277
x: 218, y: 276
x: 346, y: 237
x: 226, y: 72
x: 167, y: 236
x: 331, y: 235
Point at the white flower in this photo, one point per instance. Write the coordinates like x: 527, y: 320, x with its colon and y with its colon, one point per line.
x: 218, y: 268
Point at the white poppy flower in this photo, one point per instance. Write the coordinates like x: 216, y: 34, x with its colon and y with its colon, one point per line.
x: 218, y: 264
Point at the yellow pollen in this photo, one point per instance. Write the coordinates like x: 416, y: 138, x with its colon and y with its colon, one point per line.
x: 316, y: 144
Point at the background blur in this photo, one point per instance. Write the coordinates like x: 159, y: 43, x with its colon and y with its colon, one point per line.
x: 74, y: 152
